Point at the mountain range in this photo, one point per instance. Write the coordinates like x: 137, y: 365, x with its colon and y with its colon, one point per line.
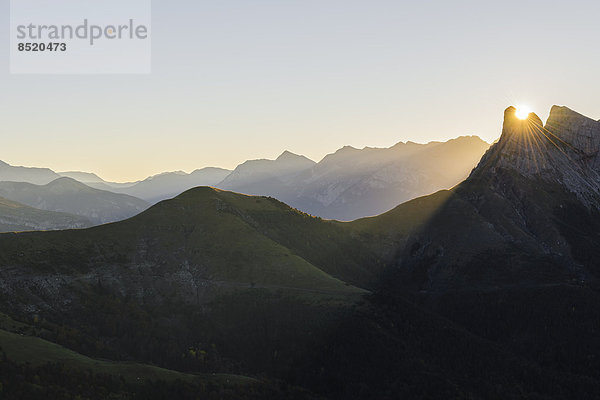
x: 345, y: 185
x: 486, y: 290
x: 167, y: 185
x: 352, y: 183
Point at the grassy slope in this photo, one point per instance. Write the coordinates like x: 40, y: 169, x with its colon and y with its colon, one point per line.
x: 261, y: 303
x: 230, y: 237
x: 386, y: 234
x: 405, y: 352
x: 35, y: 351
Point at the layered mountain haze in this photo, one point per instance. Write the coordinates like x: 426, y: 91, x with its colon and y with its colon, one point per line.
x: 345, y: 185
x: 268, y: 177
x: 83, y: 177
x: 36, y: 176
x: 352, y: 183
x: 170, y: 184
x: 15, y: 217
x: 68, y: 195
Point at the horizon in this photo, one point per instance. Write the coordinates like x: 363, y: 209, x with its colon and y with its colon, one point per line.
x: 525, y: 108
x: 241, y: 162
x: 299, y: 199
x: 236, y: 81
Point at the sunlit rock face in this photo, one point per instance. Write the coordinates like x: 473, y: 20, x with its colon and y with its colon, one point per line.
x: 528, y: 213
x: 580, y: 132
x: 564, y: 151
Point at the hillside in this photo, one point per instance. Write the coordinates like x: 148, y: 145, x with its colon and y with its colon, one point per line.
x: 511, y: 253
x: 486, y: 290
x: 70, y: 196
x: 16, y: 217
x: 208, y: 270
x: 521, y: 202
x: 255, y: 287
x: 34, y: 368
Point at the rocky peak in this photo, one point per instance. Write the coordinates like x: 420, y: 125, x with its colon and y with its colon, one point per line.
x: 287, y: 155
x: 522, y: 146
x: 565, y: 151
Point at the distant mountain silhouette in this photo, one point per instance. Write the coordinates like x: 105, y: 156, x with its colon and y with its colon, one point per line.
x: 83, y: 177
x: 37, y: 176
x: 73, y: 197
x: 167, y: 185
x: 15, y: 217
x: 267, y: 177
x: 345, y: 185
x: 353, y: 183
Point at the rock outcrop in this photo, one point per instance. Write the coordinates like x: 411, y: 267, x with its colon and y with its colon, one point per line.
x: 565, y: 151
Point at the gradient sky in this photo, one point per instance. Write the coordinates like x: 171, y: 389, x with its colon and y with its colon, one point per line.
x: 240, y: 79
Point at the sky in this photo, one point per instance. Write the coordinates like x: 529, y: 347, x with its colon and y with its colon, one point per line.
x: 238, y: 79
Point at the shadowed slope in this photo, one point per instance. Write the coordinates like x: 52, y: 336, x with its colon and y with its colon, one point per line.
x: 511, y: 253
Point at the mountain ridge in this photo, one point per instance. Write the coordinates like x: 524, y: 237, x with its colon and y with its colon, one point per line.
x: 68, y: 195
x: 16, y: 217
x: 471, y: 292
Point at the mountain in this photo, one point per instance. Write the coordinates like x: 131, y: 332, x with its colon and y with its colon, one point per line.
x: 167, y: 185
x: 267, y: 177
x: 37, y: 176
x: 70, y: 196
x: 534, y: 196
x: 511, y: 253
x: 345, y: 185
x: 216, y: 272
x: 352, y: 183
x: 83, y: 177
x: 486, y: 290
x: 15, y: 217
x: 214, y: 281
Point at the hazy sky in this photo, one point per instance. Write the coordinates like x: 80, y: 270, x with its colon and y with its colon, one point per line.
x: 239, y: 79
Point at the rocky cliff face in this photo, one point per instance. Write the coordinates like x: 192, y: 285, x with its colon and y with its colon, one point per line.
x: 580, y: 133
x: 527, y: 214
x: 511, y: 254
x: 564, y: 151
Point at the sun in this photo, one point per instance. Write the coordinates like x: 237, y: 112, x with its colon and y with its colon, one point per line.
x: 523, y: 112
